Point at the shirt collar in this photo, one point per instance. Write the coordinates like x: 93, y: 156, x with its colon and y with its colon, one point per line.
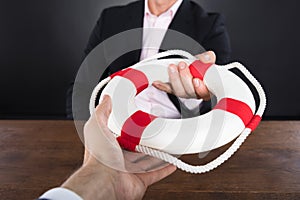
x: 173, y: 9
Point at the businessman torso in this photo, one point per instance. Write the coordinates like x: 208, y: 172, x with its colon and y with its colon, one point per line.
x: 206, y: 29
x: 192, y: 29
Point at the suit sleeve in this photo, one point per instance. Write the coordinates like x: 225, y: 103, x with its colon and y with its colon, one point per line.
x: 218, y: 41
x: 94, y: 39
x: 96, y: 36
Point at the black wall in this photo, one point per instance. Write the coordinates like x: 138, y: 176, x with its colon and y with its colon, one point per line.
x: 42, y: 42
x: 265, y: 36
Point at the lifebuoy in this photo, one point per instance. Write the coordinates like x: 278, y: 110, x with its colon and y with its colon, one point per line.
x: 234, y: 116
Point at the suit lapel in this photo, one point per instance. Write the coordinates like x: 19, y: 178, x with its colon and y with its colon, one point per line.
x: 136, y: 15
x: 183, y: 31
x: 182, y: 19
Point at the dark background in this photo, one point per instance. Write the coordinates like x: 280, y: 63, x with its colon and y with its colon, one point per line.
x: 42, y: 43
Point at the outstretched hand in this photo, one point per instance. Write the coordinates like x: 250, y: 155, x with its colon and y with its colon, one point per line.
x: 96, y: 180
x: 181, y: 82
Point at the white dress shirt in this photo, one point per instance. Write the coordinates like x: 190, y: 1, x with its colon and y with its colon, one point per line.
x: 152, y: 100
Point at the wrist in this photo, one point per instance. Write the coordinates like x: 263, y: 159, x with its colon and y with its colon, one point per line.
x: 90, y: 182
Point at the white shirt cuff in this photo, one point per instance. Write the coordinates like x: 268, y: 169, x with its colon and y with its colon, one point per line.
x: 60, y: 193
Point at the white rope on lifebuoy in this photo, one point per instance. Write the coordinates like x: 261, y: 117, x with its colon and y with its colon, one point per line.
x: 145, y: 133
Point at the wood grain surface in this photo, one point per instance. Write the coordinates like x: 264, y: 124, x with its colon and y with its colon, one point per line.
x: 38, y: 155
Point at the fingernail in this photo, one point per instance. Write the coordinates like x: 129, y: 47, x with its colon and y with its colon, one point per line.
x: 172, y: 69
x: 196, y: 82
x: 181, y: 65
x: 158, y: 84
x: 206, y: 56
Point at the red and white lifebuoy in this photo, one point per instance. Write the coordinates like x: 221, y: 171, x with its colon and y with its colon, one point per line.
x: 234, y: 116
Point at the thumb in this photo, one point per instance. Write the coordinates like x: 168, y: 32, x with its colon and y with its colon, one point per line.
x: 201, y: 90
x: 103, y: 110
x: 207, y: 57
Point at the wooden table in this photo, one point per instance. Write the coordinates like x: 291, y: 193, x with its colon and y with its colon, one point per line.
x: 38, y: 155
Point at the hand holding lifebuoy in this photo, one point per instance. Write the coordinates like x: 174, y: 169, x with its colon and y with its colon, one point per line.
x: 182, y: 83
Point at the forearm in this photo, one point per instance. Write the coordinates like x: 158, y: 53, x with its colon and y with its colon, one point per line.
x: 92, y: 184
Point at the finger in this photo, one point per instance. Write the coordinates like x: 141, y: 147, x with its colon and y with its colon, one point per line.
x: 207, y: 57
x: 166, y: 87
x: 103, y: 110
x: 175, y: 81
x: 201, y: 90
x: 152, y: 177
x: 144, y: 164
x: 186, y: 79
x: 140, y: 163
x: 156, y: 166
x: 86, y: 156
x: 133, y: 156
x: 148, y: 162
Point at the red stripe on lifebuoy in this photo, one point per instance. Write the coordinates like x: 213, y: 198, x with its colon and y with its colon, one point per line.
x: 254, y: 122
x: 198, y: 69
x: 138, y: 78
x: 133, y: 128
x: 239, y: 108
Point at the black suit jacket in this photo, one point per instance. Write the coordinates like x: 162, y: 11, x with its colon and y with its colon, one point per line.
x: 205, y: 28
